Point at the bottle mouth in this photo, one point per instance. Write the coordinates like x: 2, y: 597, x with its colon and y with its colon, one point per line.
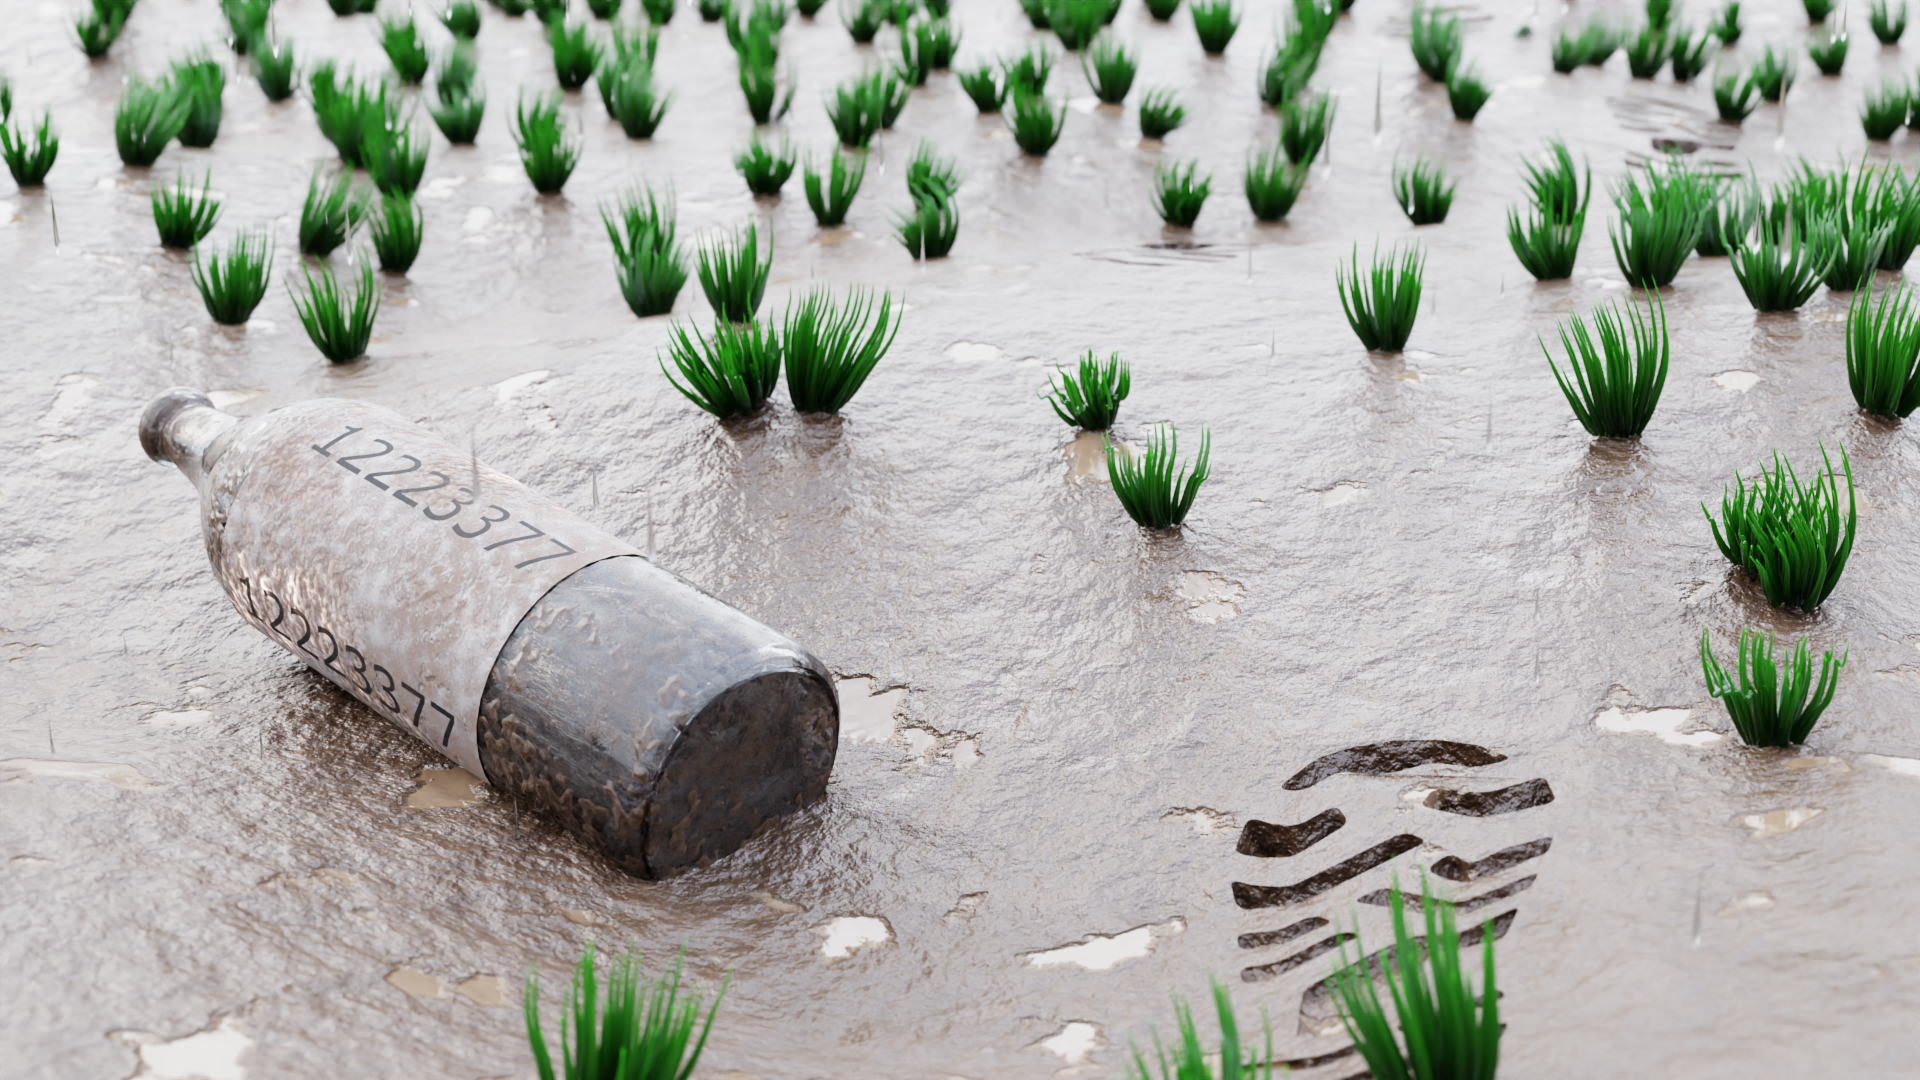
x: 159, y: 415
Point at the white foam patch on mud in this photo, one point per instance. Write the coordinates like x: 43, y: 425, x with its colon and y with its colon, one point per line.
x: 1102, y: 952
x: 212, y: 1054
x: 118, y: 775
x: 850, y: 933
x: 1664, y: 724
x: 504, y: 390
x: 1342, y: 493
x: 1205, y: 821
x: 1210, y: 597
x: 183, y: 719
x: 866, y: 716
x: 1777, y: 822
x: 1900, y: 766
x: 973, y: 352
x: 1074, y: 1043
x: 1737, y: 381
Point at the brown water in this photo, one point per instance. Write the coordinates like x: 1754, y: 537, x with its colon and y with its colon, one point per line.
x: 213, y: 862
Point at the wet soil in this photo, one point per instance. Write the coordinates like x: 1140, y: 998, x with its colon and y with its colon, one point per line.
x: 214, y: 857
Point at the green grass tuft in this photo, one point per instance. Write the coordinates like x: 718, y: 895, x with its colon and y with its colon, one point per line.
x: 856, y: 111
x: 1660, y: 14
x: 765, y: 168
x: 1660, y: 224
x: 1734, y: 95
x: 1772, y: 74
x: 200, y: 82
x: 1789, y: 536
x: 1091, y: 400
x: 1190, y: 1061
x: 1030, y: 70
x: 1648, y: 52
x: 1616, y: 385
x: 1690, y: 54
x: 934, y: 43
x: 233, y: 282
x: 1036, y: 11
x: 1382, y: 306
x: 1887, y: 21
x: 1780, y: 270
x: 1036, y: 121
x: 1304, y: 123
x: 863, y: 19
x: 338, y: 322
x: 400, y: 40
x: 149, y: 116
x: 603, y: 9
x: 627, y: 85
x: 344, y: 8
x: 1727, y: 26
x: 331, y: 209
x: 461, y: 18
x: 832, y: 348
x: 1289, y: 68
x: 182, y: 215
x: 1735, y: 207
x: 1273, y: 183
x: 1818, y: 10
x: 1857, y: 249
x: 1466, y: 92
x: 984, y: 87
x: 1110, y: 69
x: 891, y: 94
x: 1435, y: 38
x: 1884, y: 110
x: 576, y: 52
x: 1162, y: 10
x: 1152, y: 493
x: 760, y: 85
x: 1588, y: 46
x: 733, y: 274
x: 98, y: 27
x: 246, y: 23
x: 1178, y: 193
x: 274, y: 68
x: 1883, y: 352
x: 1160, y: 114
x: 646, y: 254
x: 646, y: 1033
x: 660, y: 12
x: 1449, y: 1030
x: 29, y: 152
x: 458, y: 117
x: 1545, y: 245
x: 1558, y: 188
x: 548, y: 151
x: 346, y: 113
x: 1768, y: 707
x: 395, y: 157
x: 830, y: 192
x: 711, y: 10
x: 395, y: 225
x: 1829, y: 51
x: 730, y: 374
x: 1215, y: 22
x: 1423, y: 192
x: 1075, y: 22
x: 929, y: 231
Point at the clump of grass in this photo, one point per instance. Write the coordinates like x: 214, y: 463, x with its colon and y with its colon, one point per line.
x: 1151, y: 491
x: 1179, y: 192
x: 809, y: 8
x: 1215, y: 22
x: 760, y: 84
x: 1110, y: 69
x: 1036, y: 11
x: 1616, y: 385
x: 1818, y: 10
x: 458, y: 116
x: 1075, y: 22
x: 396, y: 225
x: 1887, y: 21
x: 547, y: 12
x: 1037, y: 121
x: 1772, y: 74
x: 347, y: 113
x: 1727, y: 26
x: 29, y: 152
x: 765, y: 168
x: 274, y: 68
x: 1734, y: 96
x: 603, y: 9
x: 338, y: 322
x: 711, y: 10
x: 1304, y: 123
x: 1893, y: 199
x: 548, y: 150
x: 1030, y: 70
x: 730, y: 374
x: 646, y: 254
x: 1466, y: 92
x: 1689, y: 54
x: 576, y: 52
x: 395, y: 158
x: 1884, y: 110
x: 1162, y: 10
x: 1829, y: 51
x: 234, y: 281
x: 1548, y: 239
x: 1435, y: 39
x: 1648, y: 51
x: 1381, y: 306
x: 1423, y: 192
x: 246, y: 23
x: 830, y: 192
x: 1769, y: 707
x: 329, y: 213
x: 890, y: 94
x: 1735, y: 206
x: 983, y: 85
x: 1588, y: 46
x: 1780, y: 270
x: 99, y: 26
x: 935, y: 42
x: 627, y: 84
x: 1557, y: 187
x: 462, y: 19
x: 182, y: 215
x: 660, y: 12
x: 1293, y: 63
x: 1273, y: 183
x: 1659, y: 225
x: 931, y: 176
x: 1160, y: 114
x: 832, y: 348
x: 1091, y: 400
x: 1189, y: 1061
x: 1789, y: 536
x: 734, y: 275
x: 931, y: 228
x: 200, y: 82
x: 400, y: 40
x: 1883, y: 353
x: 1858, y: 244
x: 1449, y: 1030
x: 344, y: 8
x: 643, y: 1035
x: 1660, y: 14
x: 856, y: 111
x: 148, y: 117
x: 6, y: 98
x: 863, y: 19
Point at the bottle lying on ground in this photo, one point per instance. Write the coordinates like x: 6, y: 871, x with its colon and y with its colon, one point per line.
x: 529, y: 646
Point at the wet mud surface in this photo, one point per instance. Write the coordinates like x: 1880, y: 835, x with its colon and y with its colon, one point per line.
x: 211, y: 856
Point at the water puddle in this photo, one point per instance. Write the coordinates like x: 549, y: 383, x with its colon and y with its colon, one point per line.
x: 1737, y: 381
x: 1209, y: 596
x: 485, y: 991
x: 1087, y: 457
x: 1900, y: 766
x: 417, y: 983
x: 184, y: 719
x: 965, y: 908
x: 973, y: 352
x: 1205, y: 820
x: 1779, y: 821
x: 1101, y: 952
x: 867, y: 716
x: 1748, y: 904
x: 1074, y: 1043
x: 125, y: 776
x: 921, y: 744
x: 966, y: 753
x: 850, y: 933
x: 210, y: 1054
x: 1797, y: 764
x: 446, y: 787
x: 1664, y: 724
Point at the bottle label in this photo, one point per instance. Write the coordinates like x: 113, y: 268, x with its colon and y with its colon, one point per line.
x: 392, y: 562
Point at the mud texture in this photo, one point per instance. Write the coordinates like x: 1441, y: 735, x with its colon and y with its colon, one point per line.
x: 205, y: 841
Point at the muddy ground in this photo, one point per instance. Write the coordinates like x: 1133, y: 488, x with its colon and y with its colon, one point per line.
x: 1076, y: 718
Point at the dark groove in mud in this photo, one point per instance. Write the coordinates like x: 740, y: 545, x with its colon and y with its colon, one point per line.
x: 1382, y: 897
x: 1378, y: 759
x: 1263, y: 972
x: 1454, y: 868
x: 1260, y: 939
x: 1507, y: 800
x: 1264, y: 840
x: 1259, y: 896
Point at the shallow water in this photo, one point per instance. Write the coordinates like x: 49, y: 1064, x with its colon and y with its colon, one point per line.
x: 1087, y: 716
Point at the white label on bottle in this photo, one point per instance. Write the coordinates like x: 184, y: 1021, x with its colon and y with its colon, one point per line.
x: 392, y: 562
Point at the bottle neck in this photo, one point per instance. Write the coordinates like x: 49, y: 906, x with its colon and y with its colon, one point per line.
x: 181, y: 426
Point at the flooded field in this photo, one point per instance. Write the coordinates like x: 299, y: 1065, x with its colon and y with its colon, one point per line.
x: 1081, y: 765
